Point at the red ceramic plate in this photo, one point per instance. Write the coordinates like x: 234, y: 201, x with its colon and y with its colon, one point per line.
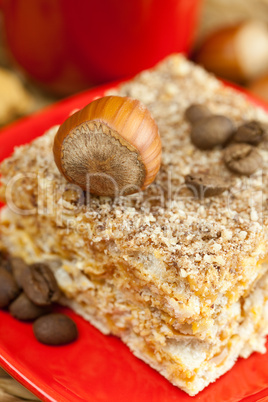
x: 100, y: 368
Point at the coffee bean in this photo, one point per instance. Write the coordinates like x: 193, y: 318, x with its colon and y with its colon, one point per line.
x: 40, y: 285
x: 196, y: 112
x: 23, y: 309
x: 204, y: 185
x: 211, y: 131
x: 19, y: 268
x: 8, y: 288
x: 55, y: 329
x: 242, y: 159
x: 252, y: 132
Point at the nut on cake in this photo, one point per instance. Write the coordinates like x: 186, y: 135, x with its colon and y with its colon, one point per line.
x: 181, y: 280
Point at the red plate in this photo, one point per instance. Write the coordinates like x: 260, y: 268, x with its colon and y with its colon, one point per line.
x: 96, y: 367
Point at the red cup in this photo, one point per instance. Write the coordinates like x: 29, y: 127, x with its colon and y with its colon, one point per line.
x: 67, y: 45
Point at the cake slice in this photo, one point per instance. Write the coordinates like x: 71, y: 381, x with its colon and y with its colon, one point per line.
x: 183, y: 281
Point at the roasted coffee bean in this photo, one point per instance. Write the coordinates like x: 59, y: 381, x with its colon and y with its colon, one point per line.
x: 23, y: 309
x: 252, y: 132
x: 19, y: 269
x: 55, y: 329
x: 39, y: 285
x: 242, y: 159
x: 204, y: 185
x: 8, y: 288
x: 211, y: 131
x: 196, y: 112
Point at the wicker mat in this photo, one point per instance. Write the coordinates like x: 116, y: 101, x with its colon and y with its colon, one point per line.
x: 12, y: 391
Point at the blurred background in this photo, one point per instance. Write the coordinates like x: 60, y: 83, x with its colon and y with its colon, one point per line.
x: 50, y: 49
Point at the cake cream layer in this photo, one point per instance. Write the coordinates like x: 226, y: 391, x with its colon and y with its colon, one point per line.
x: 189, y: 261
x: 35, y: 239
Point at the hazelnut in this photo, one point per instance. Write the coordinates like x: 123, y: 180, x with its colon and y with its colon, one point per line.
x: 238, y: 52
x: 110, y: 147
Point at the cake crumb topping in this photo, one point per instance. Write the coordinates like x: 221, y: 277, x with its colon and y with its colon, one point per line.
x: 204, y: 241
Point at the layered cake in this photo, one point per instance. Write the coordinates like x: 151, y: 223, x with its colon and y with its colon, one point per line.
x: 181, y: 279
